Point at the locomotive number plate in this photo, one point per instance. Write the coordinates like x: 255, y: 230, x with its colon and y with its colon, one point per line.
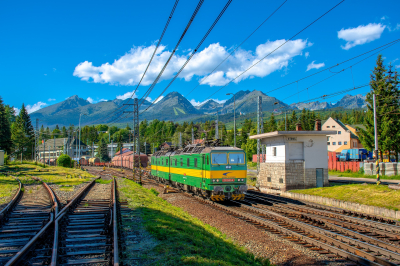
x: 228, y: 180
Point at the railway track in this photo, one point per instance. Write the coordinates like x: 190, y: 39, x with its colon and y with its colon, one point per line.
x: 24, y: 221
x: 35, y: 232
x: 349, y: 238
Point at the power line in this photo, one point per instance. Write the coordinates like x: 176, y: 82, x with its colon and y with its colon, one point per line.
x: 229, y: 82
x: 192, y: 54
x: 237, y: 47
x: 151, y: 59
x: 173, y: 52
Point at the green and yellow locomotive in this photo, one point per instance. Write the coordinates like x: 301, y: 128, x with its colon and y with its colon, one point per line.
x: 218, y: 173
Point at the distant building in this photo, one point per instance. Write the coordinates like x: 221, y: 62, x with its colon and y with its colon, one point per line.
x: 198, y: 141
x: 166, y: 145
x: 346, y: 137
x: 53, y: 148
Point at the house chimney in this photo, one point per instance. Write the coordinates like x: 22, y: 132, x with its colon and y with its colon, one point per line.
x: 317, y: 125
x: 298, y: 126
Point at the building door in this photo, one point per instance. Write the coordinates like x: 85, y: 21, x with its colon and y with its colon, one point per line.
x: 320, y: 177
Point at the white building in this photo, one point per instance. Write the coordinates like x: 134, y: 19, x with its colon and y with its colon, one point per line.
x: 294, y: 159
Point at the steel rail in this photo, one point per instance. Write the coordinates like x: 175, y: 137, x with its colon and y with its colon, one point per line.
x: 21, y: 253
x: 59, y: 216
x: 115, y: 224
x: 331, y: 238
x: 366, y: 245
x: 13, y: 201
x: 327, y: 209
x: 326, y: 246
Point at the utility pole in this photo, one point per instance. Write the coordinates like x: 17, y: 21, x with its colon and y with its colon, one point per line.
x: 192, y: 136
x: 44, y: 153
x: 285, y: 121
x: 180, y: 139
x: 216, y: 128
x: 54, y: 148
x: 136, y: 140
x: 234, y: 118
x: 112, y: 145
x: 259, y: 126
x: 37, y: 139
x: 378, y: 181
x: 145, y: 148
x: 93, y: 149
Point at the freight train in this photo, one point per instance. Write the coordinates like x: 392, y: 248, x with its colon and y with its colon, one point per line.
x: 217, y: 173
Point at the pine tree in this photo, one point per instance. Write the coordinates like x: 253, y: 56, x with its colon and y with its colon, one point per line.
x: 5, y: 129
x: 23, y: 134
x: 292, y: 122
x: 102, y: 152
x: 272, y: 126
x: 379, y: 86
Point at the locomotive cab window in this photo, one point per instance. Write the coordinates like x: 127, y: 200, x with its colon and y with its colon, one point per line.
x: 218, y: 158
x: 181, y: 161
x: 236, y: 158
x: 188, y: 162
x: 166, y: 162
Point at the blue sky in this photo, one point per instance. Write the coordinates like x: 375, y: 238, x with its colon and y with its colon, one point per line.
x: 51, y: 50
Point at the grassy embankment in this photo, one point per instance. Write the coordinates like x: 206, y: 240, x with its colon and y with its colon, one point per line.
x: 66, y: 178
x: 8, y: 187
x: 361, y: 175
x: 181, y: 238
x: 371, y: 194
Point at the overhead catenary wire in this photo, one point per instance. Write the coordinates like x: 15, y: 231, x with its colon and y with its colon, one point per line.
x: 192, y: 54
x: 151, y: 59
x: 149, y: 90
x: 237, y: 47
x: 309, y: 25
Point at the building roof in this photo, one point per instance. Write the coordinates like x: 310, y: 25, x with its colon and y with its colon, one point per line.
x: 352, y: 135
x: 167, y: 142
x: 293, y: 133
x: 198, y: 141
x: 124, y: 150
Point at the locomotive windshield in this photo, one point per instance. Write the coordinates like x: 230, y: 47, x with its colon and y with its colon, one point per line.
x: 236, y: 158
x: 218, y: 158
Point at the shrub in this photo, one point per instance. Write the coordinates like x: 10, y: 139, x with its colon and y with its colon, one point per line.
x: 361, y: 171
x: 6, y: 158
x: 64, y: 160
x: 155, y: 192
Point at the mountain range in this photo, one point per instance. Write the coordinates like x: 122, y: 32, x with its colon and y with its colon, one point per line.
x: 173, y: 107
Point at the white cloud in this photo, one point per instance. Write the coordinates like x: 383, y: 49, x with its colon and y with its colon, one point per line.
x: 395, y: 28
x: 51, y: 100
x: 360, y: 35
x: 129, y: 68
x: 16, y: 110
x: 307, y: 54
x: 316, y: 66
x: 126, y: 96
x: 397, y: 66
x: 35, y: 107
x: 196, y: 103
x: 89, y: 100
x: 383, y: 18
x: 103, y: 100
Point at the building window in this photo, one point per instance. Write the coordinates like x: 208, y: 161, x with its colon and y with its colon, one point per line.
x: 333, y: 143
x: 329, y: 143
x: 281, y: 180
x: 355, y: 144
x: 268, y: 179
x: 333, y: 126
x: 328, y: 127
x: 345, y: 143
x: 339, y: 132
x: 273, y: 151
x: 339, y: 143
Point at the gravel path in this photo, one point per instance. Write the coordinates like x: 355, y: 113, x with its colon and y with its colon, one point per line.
x: 261, y: 243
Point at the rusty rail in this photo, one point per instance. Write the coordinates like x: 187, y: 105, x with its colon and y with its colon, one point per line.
x: 115, y: 224
x: 20, y: 254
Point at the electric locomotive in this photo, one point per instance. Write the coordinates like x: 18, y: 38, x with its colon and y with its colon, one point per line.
x: 218, y: 173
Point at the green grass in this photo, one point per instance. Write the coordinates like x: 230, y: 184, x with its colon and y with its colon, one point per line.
x: 51, y: 174
x: 8, y: 187
x: 371, y: 194
x: 360, y: 175
x: 181, y: 238
x: 102, y: 181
